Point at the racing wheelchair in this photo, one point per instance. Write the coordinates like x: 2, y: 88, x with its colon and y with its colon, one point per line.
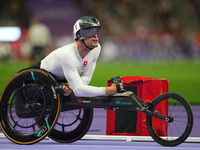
x: 33, y: 107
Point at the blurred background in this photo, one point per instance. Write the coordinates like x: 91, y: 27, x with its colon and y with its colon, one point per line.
x: 157, y: 38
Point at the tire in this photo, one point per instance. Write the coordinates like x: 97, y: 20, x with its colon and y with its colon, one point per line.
x: 175, y: 132
x: 28, y: 98
x: 72, y: 125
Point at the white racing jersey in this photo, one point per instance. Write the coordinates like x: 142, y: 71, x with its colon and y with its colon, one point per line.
x: 66, y: 63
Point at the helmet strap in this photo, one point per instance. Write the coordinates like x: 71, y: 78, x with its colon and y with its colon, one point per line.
x: 86, y: 45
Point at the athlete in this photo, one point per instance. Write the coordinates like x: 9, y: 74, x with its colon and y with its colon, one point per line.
x: 76, y: 62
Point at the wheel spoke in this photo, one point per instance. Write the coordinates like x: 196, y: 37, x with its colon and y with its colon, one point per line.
x: 170, y: 112
x: 177, y: 128
x: 179, y: 114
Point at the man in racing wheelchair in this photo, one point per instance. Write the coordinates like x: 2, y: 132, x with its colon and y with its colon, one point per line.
x: 30, y: 105
x: 80, y: 57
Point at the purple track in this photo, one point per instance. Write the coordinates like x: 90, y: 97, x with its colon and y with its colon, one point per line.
x: 94, y: 145
x: 98, y: 127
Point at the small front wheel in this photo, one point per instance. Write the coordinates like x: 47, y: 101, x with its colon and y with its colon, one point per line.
x: 175, y: 131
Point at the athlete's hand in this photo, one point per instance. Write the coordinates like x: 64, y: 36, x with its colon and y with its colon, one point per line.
x: 67, y: 90
x: 113, y: 89
x: 121, y: 86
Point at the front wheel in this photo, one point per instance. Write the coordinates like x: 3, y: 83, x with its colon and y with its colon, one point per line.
x: 178, y: 129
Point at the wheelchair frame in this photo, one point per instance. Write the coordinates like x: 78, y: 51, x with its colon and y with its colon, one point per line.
x: 126, y: 101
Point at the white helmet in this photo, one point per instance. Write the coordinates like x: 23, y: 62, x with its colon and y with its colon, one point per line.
x: 86, y: 27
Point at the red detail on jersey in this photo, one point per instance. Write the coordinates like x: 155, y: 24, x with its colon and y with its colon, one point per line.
x: 85, y: 63
x: 79, y: 101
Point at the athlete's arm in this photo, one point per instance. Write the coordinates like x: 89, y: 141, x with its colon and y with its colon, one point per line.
x: 72, y: 76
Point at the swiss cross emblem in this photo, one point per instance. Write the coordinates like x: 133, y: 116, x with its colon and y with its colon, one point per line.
x: 85, y: 63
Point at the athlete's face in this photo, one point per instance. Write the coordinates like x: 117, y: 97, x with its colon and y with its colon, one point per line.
x: 92, y: 42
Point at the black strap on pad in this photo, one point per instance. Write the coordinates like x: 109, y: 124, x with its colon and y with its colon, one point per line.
x: 117, y: 80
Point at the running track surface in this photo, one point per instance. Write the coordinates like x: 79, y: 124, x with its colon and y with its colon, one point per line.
x: 95, y: 145
x: 98, y: 127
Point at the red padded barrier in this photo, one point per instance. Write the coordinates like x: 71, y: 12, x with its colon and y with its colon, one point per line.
x: 147, y: 89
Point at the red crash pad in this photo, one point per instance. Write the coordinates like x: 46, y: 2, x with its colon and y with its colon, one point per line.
x: 147, y: 89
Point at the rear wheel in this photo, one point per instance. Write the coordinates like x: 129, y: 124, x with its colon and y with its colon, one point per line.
x: 72, y: 125
x: 175, y: 131
x: 28, y: 99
